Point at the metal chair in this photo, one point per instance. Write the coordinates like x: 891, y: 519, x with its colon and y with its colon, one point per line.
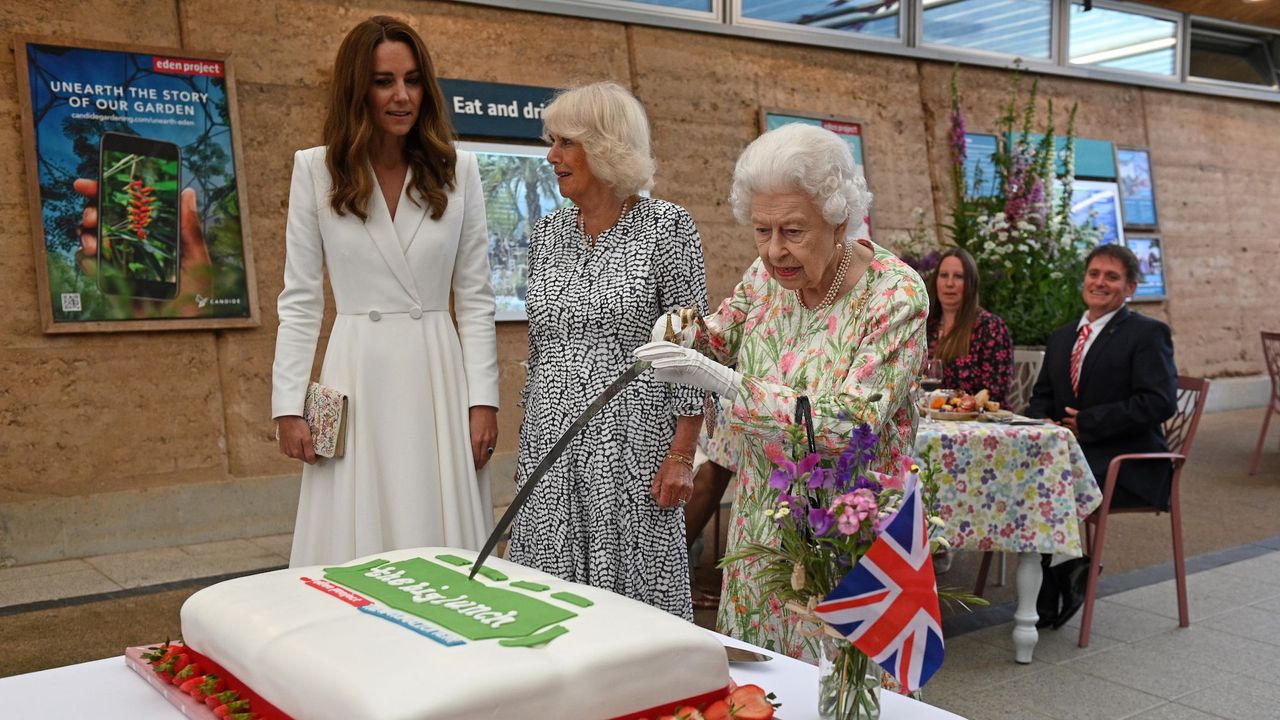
x: 1179, y: 431
x: 1026, y: 368
x: 1271, y: 353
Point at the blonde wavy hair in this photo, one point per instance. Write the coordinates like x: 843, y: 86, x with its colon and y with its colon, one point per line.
x: 611, y: 125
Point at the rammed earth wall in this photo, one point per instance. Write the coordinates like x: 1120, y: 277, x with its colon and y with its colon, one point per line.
x: 114, y: 442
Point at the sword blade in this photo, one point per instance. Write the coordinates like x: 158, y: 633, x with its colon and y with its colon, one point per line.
x: 554, y: 454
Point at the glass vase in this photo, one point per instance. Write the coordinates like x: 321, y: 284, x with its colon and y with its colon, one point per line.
x: 848, y: 682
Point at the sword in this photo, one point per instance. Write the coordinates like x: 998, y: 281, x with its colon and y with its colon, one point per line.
x: 553, y: 455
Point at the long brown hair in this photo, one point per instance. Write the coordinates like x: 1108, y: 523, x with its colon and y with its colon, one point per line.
x: 955, y: 344
x: 348, y: 127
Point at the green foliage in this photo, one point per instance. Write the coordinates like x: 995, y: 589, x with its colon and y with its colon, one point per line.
x: 138, y: 229
x: 1030, y: 254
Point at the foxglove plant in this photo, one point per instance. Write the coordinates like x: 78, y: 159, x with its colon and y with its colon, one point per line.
x: 1022, y: 235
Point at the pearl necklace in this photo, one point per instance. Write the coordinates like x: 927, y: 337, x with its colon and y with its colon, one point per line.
x: 627, y: 204
x: 834, y: 290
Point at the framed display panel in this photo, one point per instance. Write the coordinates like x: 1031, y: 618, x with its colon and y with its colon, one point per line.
x: 1137, y: 188
x: 850, y: 129
x: 519, y: 189
x: 1150, y: 253
x: 135, y: 187
x: 1097, y: 203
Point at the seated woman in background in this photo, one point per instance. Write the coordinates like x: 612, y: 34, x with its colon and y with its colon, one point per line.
x: 974, y: 345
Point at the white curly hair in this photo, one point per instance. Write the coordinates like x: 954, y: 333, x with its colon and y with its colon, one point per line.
x: 613, y: 129
x: 803, y: 158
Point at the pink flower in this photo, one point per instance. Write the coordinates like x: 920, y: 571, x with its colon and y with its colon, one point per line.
x: 787, y: 362
x: 851, y: 509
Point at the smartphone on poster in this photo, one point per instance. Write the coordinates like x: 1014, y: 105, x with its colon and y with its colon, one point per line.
x: 139, y: 181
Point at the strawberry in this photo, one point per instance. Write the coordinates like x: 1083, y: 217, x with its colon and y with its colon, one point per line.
x: 186, y: 673
x: 174, y: 664
x: 235, y: 706
x: 191, y: 685
x: 222, y: 698
x: 718, y: 710
x: 243, y: 716
x: 212, y: 685
x: 688, y: 712
x: 749, y: 702
x: 161, y: 653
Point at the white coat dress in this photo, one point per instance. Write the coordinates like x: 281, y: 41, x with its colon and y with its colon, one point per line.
x: 407, y: 478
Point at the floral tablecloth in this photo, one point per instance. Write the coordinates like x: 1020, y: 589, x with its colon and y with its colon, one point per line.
x: 1014, y: 488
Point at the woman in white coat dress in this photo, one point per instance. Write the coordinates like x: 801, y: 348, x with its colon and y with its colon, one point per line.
x: 397, y: 216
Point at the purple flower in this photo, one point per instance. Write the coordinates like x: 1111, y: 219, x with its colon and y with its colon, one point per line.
x: 958, y: 149
x: 786, y: 472
x: 821, y: 520
x: 864, y: 437
x: 865, y: 483
x: 793, y: 501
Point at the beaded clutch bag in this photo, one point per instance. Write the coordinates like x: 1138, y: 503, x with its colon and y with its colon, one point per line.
x: 326, y: 414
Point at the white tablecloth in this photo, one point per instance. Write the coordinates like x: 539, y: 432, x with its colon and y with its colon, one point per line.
x: 108, y: 690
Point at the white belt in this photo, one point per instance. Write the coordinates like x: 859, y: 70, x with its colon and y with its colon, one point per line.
x: 376, y: 315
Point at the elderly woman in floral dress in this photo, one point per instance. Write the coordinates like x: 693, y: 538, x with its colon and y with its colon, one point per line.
x: 840, y: 322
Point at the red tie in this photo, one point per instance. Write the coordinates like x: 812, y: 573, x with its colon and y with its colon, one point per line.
x: 1077, y: 356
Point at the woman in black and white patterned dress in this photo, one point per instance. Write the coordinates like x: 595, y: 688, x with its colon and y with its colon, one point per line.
x: 601, y: 271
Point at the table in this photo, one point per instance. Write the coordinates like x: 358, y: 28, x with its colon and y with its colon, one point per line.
x: 108, y: 690
x: 1019, y: 488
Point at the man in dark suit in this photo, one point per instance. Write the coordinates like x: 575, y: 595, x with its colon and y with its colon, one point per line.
x: 1110, y: 379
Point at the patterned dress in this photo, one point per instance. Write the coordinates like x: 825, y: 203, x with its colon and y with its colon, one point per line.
x: 989, y: 363
x: 722, y: 444
x: 871, y: 341
x: 591, y: 519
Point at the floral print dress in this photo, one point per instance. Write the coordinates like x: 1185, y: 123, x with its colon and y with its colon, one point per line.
x: 871, y: 341
x: 989, y: 364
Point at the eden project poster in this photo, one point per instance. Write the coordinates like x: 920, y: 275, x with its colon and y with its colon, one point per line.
x: 134, y: 188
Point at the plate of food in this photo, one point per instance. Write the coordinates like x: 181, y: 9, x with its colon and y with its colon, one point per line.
x: 959, y: 405
x: 944, y: 415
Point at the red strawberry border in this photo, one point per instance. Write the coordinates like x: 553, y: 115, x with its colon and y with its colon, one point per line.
x: 198, y: 686
x: 735, y: 702
x: 153, y: 663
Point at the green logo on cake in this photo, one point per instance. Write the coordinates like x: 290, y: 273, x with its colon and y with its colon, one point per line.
x: 449, y: 599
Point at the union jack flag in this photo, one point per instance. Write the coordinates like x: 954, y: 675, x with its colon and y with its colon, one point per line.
x: 887, y: 605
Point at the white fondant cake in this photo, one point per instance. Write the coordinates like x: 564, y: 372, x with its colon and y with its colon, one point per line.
x: 411, y: 639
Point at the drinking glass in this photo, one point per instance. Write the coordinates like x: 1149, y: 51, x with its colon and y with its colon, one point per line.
x: 932, y: 378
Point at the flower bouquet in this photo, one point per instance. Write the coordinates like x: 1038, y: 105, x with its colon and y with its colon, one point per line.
x: 828, y: 513
x: 1019, y: 227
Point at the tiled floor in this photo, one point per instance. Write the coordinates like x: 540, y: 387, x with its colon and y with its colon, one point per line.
x: 94, y: 576
x: 1139, y: 663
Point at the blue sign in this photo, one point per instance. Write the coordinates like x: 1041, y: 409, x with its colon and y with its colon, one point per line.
x: 496, y: 110
x: 979, y: 165
x: 1094, y: 159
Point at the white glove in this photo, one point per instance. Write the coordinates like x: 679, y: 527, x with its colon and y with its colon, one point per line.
x: 685, y: 366
x: 685, y: 334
